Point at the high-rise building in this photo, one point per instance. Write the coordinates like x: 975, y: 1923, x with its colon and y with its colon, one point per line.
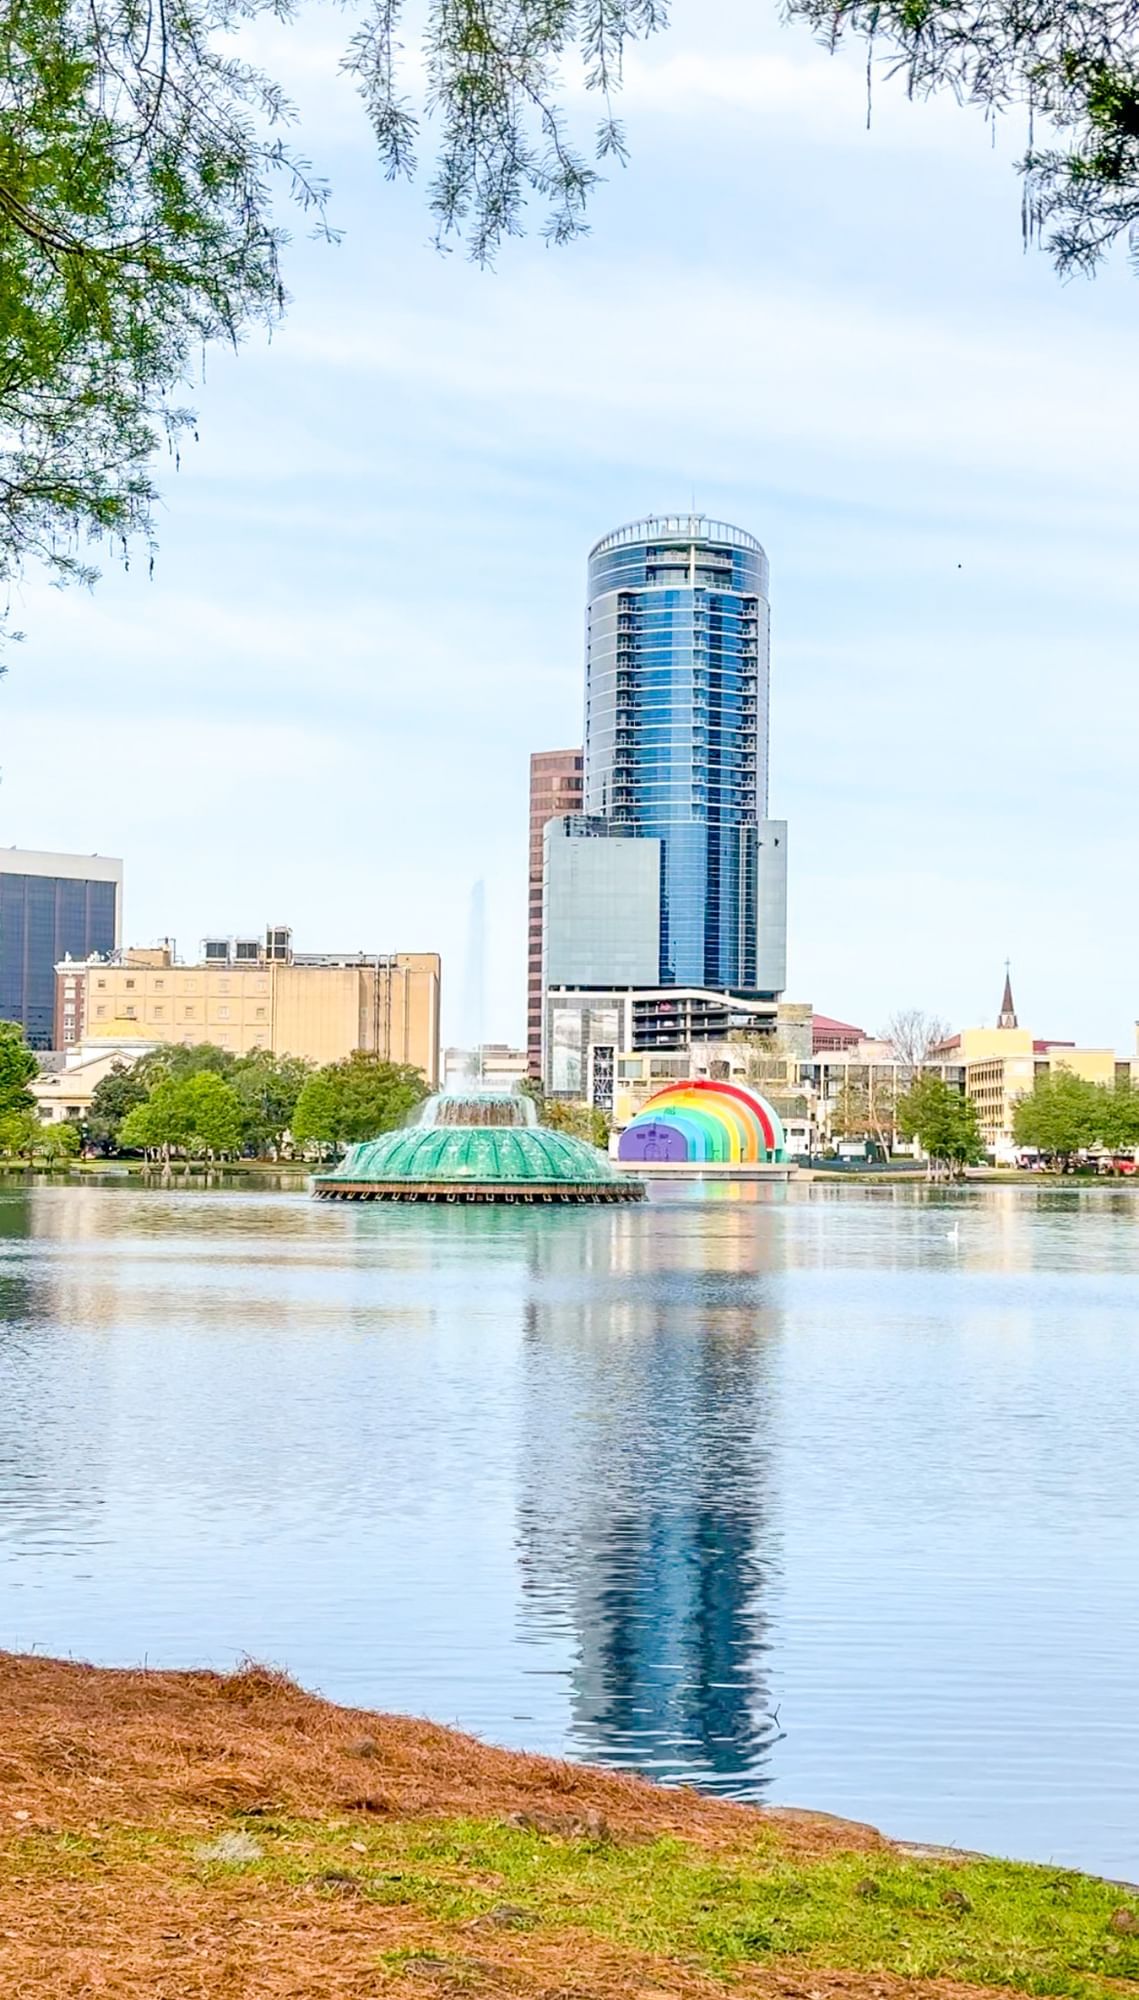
x: 676, y: 739
x: 51, y: 904
x: 555, y: 788
x: 601, y: 905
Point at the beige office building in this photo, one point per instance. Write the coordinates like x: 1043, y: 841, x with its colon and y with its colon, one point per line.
x: 1001, y: 1066
x: 243, y: 995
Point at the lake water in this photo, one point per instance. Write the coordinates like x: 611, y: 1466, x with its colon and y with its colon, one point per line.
x: 787, y: 1492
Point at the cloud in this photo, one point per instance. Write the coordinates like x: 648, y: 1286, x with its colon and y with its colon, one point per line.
x: 707, y: 364
x: 367, y: 608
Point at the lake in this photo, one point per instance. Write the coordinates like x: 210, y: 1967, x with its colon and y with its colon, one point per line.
x: 792, y: 1493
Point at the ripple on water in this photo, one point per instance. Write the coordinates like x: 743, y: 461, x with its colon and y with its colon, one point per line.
x: 786, y: 1493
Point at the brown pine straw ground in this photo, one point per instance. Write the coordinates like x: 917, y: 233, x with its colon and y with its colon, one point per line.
x: 111, y: 1782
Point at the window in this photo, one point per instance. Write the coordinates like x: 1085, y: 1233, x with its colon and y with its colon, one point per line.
x: 130, y: 985
x: 223, y: 1013
x: 188, y: 1012
x: 102, y: 985
x: 159, y: 1011
x: 100, y: 1013
x: 159, y: 985
x: 130, y: 1012
x: 259, y: 1013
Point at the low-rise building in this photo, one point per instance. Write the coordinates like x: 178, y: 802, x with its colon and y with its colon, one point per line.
x: 761, y: 1062
x: 589, y: 1030
x: 828, y: 1035
x: 68, y: 1078
x: 1000, y: 1065
x: 1127, y: 1067
x: 857, y: 1087
x: 493, y: 1067
x: 242, y: 994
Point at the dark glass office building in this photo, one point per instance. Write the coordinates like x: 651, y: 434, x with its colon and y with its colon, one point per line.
x: 676, y: 727
x: 52, y: 906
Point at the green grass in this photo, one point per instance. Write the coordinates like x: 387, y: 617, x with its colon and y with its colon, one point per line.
x: 1036, y: 1930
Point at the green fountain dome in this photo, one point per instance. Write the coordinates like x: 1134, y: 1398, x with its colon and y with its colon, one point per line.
x: 476, y: 1146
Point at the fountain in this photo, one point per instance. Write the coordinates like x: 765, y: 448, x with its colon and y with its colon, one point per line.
x: 476, y: 1146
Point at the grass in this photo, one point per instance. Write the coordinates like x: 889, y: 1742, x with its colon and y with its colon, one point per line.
x: 990, y: 1923
x: 214, y: 1837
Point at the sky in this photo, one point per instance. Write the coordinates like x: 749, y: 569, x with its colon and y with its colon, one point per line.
x: 367, y: 608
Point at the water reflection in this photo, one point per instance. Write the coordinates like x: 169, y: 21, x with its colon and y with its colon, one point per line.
x: 50, y: 1443
x: 645, y: 1507
x: 619, y: 1483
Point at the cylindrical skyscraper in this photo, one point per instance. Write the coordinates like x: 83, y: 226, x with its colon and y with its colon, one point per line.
x: 676, y: 729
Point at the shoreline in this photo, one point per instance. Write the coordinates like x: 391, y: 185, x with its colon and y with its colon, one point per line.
x: 291, y: 1175
x: 230, y: 1837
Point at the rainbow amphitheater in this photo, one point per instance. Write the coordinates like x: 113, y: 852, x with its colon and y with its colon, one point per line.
x: 703, y: 1123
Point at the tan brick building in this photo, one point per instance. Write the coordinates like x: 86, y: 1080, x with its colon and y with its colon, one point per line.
x: 319, y: 1006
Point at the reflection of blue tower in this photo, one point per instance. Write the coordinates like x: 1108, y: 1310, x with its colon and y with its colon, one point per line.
x: 643, y: 1520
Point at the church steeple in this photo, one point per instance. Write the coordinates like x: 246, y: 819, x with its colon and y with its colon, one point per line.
x: 1007, y: 1017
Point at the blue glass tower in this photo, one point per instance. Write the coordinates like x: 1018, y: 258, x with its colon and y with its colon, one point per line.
x: 676, y: 728
x: 52, y: 906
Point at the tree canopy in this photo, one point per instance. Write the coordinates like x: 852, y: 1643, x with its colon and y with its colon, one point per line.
x: 17, y: 1068
x: 267, y: 1088
x: 1064, y: 1115
x: 914, y: 1035
x: 198, y: 1115
x: 571, y: 1115
x: 138, y: 156
x: 260, y: 1090
x: 142, y: 156
x: 1070, y: 68
x: 119, y: 1092
x: 944, y: 1123
x: 496, y: 80
x: 19, y: 1133
x: 355, y: 1099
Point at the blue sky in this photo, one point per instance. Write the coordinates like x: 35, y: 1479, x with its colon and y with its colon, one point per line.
x: 367, y: 607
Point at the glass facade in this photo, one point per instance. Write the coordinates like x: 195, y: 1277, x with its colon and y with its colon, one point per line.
x: 601, y: 905
x: 44, y: 918
x: 676, y: 727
